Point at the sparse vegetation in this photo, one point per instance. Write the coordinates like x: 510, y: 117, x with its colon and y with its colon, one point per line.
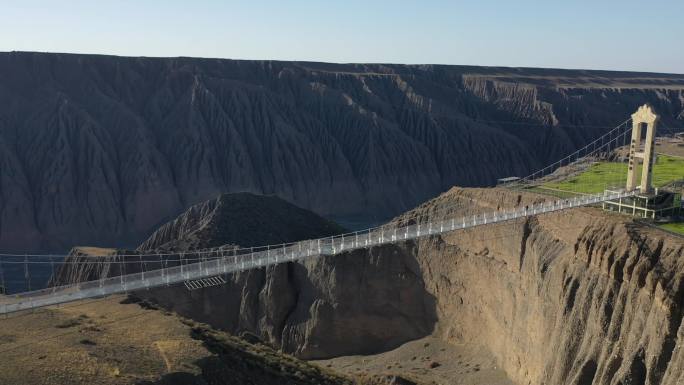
x: 68, y: 323
x: 259, y: 361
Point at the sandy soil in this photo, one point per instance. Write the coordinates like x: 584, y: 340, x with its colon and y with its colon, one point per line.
x: 126, y: 341
x: 98, y: 342
x: 427, y: 361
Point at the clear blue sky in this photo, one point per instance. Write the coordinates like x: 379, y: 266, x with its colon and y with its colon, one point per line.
x: 596, y: 34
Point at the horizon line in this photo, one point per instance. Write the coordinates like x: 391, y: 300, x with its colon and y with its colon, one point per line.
x: 344, y: 63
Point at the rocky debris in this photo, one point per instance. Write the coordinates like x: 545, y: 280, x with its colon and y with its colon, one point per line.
x: 101, y: 150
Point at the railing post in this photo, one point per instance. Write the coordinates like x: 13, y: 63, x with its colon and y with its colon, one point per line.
x: 52, y: 266
x: 224, y: 261
x: 161, y: 266
x: 181, y: 262
x: 142, y: 268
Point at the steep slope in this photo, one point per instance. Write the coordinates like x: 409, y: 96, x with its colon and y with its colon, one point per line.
x: 101, y: 150
x: 579, y: 297
x: 239, y: 219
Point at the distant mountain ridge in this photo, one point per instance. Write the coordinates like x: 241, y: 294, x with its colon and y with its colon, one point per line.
x: 101, y: 150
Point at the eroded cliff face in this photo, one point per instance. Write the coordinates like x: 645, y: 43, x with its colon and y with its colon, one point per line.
x: 100, y: 150
x: 572, y: 298
x: 578, y: 297
x: 360, y: 302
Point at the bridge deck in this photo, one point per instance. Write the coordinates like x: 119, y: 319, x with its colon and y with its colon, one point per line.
x: 229, y: 261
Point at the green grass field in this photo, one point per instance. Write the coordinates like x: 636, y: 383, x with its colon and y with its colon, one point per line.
x: 674, y: 227
x: 606, y: 174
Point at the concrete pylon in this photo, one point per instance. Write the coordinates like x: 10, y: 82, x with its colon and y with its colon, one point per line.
x: 644, y: 115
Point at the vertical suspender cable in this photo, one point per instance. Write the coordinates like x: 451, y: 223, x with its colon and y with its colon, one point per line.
x: 27, y: 275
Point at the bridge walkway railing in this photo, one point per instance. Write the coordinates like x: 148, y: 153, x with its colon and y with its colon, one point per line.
x: 230, y: 261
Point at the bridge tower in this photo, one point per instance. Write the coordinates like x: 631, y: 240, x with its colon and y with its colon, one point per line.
x: 644, y: 116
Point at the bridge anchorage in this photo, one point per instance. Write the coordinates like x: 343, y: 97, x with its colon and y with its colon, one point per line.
x: 203, y: 268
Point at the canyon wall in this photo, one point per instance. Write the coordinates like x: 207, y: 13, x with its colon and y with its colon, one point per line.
x: 101, y: 150
x: 578, y: 297
x: 360, y: 302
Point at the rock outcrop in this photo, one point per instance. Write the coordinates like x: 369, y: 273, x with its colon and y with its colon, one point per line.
x: 100, y: 150
x: 358, y: 303
x: 239, y: 219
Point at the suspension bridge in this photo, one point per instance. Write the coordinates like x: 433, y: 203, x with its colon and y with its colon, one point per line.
x: 202, y: 268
